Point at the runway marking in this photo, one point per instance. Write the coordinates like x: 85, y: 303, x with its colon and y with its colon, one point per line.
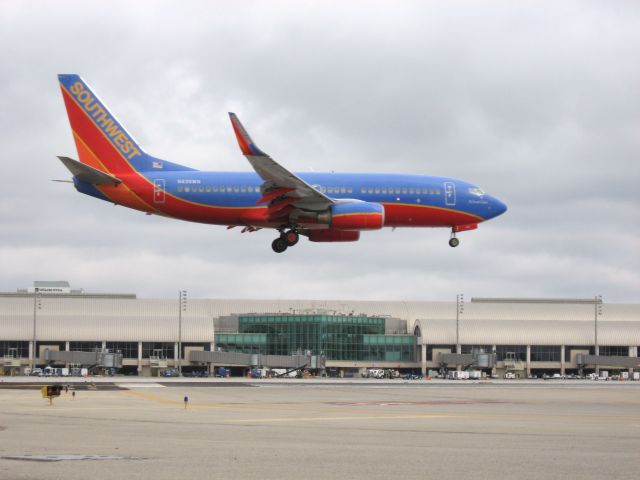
x: 140, y: 385
x: 400, y: 402
x: 328, y: 419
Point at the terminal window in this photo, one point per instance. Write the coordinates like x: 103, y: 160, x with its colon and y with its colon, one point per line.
x: 158, y: 349
x: 545, y: 353
x: 614, y: 351
x: 14, y: 349
x: 85, y: 346
x: 519, y: 351
x: 127, y: 349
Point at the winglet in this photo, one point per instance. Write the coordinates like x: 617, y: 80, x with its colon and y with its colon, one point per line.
x: 244, y: 140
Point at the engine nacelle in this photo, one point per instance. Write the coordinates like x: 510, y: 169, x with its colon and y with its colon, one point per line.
x: 333, y: 236
x: 354, y: 216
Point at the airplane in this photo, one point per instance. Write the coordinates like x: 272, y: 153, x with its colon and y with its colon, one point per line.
x: 324, y: 207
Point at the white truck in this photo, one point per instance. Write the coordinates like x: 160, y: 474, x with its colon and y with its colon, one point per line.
x: 375, y: 373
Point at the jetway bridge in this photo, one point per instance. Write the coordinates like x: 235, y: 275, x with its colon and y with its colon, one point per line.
x: 467, y: 360
x: 234, y: 359
x: 98, y: 359
x: 583, y: 360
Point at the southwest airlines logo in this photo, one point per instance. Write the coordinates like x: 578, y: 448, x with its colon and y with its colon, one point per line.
x: 104, y: 121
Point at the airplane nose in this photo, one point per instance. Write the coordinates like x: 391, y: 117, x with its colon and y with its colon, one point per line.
x: 497, y: 207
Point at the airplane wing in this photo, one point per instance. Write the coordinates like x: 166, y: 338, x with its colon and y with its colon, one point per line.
x: 281, y: 187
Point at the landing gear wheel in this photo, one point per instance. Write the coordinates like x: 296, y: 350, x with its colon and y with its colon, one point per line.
x: 291, y: 237
x: 279, y: 245
x: 454, y: 242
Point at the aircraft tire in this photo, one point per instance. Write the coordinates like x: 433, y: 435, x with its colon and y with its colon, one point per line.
x: 291, y: 237
x: 454, y: 242
x: 279, y: 245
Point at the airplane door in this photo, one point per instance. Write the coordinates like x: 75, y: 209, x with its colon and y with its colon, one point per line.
x: 158, y: 190
x: 449, y: 194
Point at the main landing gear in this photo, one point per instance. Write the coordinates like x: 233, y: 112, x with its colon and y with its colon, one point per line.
x: 287, y: 238
x: 453, y: 241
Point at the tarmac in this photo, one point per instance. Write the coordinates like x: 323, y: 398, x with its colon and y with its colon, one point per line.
x: 316, y: 429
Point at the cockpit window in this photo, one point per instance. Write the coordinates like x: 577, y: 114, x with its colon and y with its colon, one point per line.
x: 476, y: 191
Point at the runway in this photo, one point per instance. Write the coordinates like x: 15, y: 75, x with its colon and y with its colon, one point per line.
x: 323, y: 430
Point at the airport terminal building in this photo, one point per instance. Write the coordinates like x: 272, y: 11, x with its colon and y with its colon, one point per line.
x: 53, y: 324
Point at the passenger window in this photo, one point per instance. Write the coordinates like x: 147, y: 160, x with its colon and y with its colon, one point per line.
x: 349, y: 190
x: 377, y: 190
x: 397, y: 191
x: 411, y: 191
x: 330, y: 190
x: 363, y: 190
x: 384, y: 190
x: 208, y: 188
x: 404, y: 190
x: 215, y: 188
x: 201, y: 189
x: 236, y: 189
x: 179, y: 189
x: 187, y: 189
x: 243, y: 189
x: 229, y: 189
x: 343, y: 189
x: 370, y: 190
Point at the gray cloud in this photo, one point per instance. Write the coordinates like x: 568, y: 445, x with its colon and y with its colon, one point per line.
x: 535, y: 102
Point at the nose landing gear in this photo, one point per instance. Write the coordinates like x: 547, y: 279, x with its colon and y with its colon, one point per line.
x: 453, y: 241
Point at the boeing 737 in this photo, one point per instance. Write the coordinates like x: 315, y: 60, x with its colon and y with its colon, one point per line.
x: 324, y: 207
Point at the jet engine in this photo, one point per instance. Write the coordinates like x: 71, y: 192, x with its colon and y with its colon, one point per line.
x: 354, y: 215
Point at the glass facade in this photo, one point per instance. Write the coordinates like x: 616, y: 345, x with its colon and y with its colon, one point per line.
x: 519, y: 351
x: 476, y: 348
x: 127, y: 349
x: 158, y: 349
x: 338, y: 337
x: 85, y: 346
x: 545, y: 353
x: 242, y: 342
x: 14, y: 349
x: 614, y: 351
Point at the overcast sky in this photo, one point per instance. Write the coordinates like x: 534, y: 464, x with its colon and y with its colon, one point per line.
x: 537, y: 102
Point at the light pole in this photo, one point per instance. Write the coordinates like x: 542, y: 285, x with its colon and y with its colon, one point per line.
x: 36, y: 306
x: 597, y: 311
x: 459, y: 311
x: 182, y: 307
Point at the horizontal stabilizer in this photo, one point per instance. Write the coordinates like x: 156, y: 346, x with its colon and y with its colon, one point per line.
x: 88, y: 174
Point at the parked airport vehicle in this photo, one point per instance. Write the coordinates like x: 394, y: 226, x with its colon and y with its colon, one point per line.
x: 375, y: 373
x: 458, y: 375
x: 325, y: 207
